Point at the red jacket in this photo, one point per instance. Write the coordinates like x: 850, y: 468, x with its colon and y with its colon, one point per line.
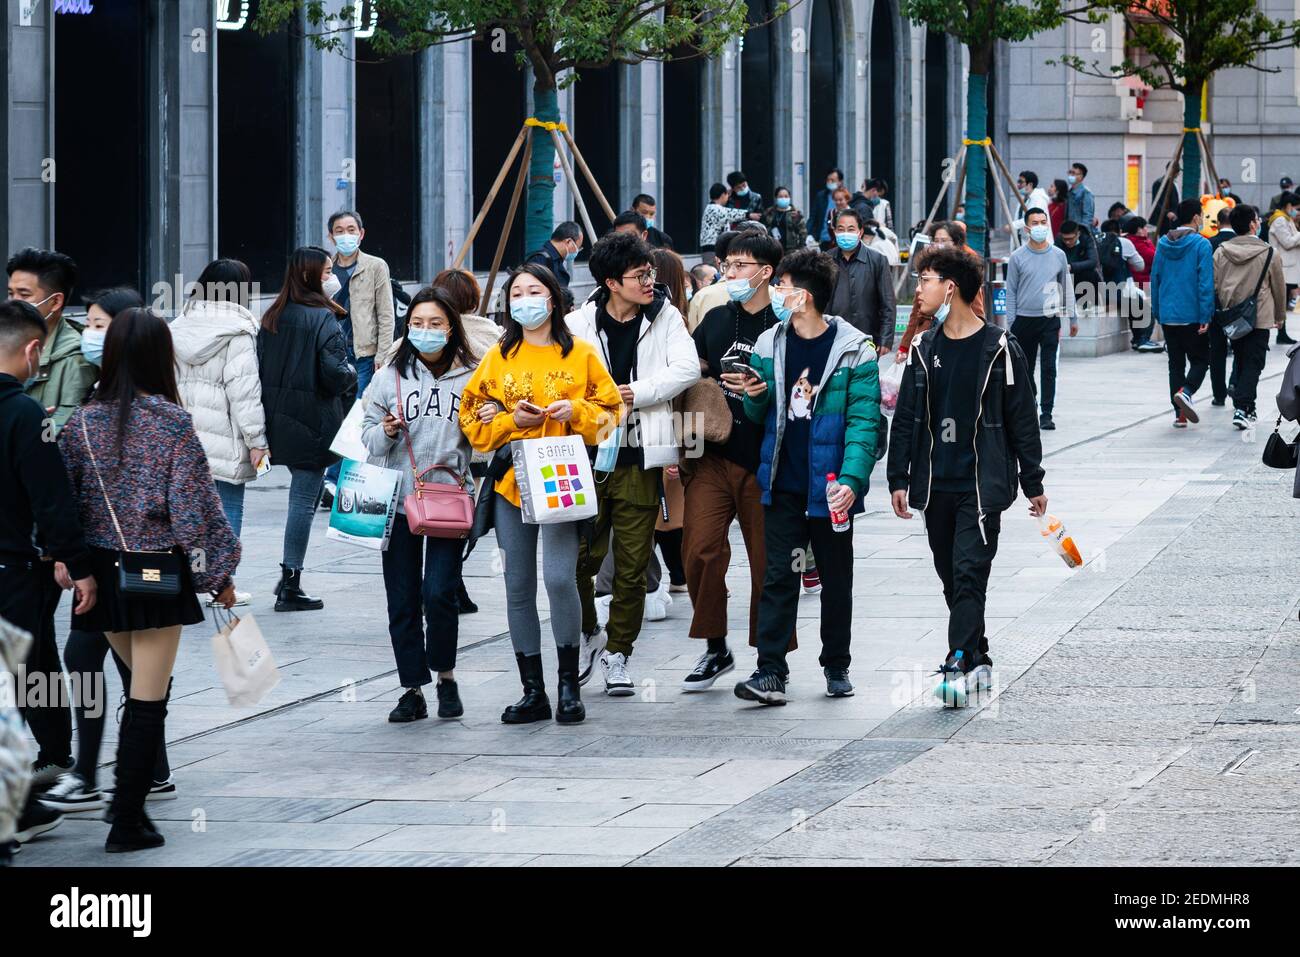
x: 1147, y: 250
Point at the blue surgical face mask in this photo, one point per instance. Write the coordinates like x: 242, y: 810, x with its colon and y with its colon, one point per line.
x: 530, y: 311
x: 783, y: 202
x: 832, y: 184
x: 92, y: 346
x: 649, y: 222
x: 847, y: 241
x: 570, y: 259
x: 347, y: 243
x: 1071, y: 179
x: 740, y: 290
x: 1039, y: 233
x: 743, y: 192
x: 941, y: 313
x: 690, y: 293
x: 427, y: 341
x: 782, y: 310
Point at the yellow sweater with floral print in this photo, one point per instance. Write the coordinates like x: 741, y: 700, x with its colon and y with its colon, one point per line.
x: 540, y: 375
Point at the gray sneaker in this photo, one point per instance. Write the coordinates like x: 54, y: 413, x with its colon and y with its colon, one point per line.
x: 837, y: 683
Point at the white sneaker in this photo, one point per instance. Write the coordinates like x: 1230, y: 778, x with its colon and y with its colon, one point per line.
x: 656, y: 605
x: 617, y: 682
x: 70, y: 794
x: 589, y: 647
x: 602, y: 610
x: 241, y: 598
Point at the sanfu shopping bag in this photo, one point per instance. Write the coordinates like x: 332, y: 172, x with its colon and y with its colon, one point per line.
x: 243, y: 660
x: 554, y: 479
x: 364, y: 504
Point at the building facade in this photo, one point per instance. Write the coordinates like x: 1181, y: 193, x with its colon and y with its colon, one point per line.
x: 145, y: 137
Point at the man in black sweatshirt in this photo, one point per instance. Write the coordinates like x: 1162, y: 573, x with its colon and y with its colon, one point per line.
x: 37, y: 497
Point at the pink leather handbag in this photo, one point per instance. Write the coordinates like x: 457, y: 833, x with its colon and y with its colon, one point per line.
x: 434, y: 509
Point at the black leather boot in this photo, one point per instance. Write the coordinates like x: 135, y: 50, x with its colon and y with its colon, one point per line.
x: 569, y: 708
x: 291, y: 597
x: 534, y: 705
x: 137, y: 749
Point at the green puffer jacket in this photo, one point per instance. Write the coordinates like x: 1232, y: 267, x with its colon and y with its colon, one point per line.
x: 66, y: 378
x: 846, y: 417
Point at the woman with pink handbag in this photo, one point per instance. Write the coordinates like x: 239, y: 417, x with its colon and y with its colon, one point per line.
x: 412, y: 424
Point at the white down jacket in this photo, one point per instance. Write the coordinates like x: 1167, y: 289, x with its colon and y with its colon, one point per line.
x: 216, y: 371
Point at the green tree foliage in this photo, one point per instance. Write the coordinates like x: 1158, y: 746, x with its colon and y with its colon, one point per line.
x: 558, y: 39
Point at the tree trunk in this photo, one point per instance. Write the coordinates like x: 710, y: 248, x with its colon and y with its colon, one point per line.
x: 1191, y: 145
x: 976, y: 166
x: 539, y: 214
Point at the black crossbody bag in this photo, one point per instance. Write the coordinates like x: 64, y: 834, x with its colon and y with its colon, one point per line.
x: 1278, y: 452
x: 1239, y: 320
x: 139, y: 574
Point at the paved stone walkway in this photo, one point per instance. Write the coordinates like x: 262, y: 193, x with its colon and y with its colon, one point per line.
x: 1145, y: 711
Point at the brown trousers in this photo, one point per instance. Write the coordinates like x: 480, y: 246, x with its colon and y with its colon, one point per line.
x: 718, y: 491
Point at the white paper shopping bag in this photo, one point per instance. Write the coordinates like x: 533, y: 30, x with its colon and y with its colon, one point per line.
x: 347, y: 442
x: 554, y: 479
x: 243, y: 661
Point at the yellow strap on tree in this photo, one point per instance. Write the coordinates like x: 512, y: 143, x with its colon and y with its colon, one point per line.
x: 1191, y: 129
x: 987, y: 141
x: 546, y: 125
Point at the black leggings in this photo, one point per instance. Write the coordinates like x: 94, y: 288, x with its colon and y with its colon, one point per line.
x: 670, y: 546
x: 83, y: 655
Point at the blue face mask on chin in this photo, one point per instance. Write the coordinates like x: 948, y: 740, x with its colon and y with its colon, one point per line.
x: 427, y: 341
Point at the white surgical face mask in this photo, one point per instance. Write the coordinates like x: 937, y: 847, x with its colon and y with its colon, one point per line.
x: 1038, y: 233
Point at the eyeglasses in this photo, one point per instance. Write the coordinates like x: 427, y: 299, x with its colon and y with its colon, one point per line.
x: 646, y: 277
x: 929, y: 277
x: 729, y: 266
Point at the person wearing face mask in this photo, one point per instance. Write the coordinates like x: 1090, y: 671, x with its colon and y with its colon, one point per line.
x: 1040, y: 291
x: 816, y: 392
x: 560, y: 252
x: 539, y: 381
x: 822, y: 203
x: 943, y: 233
x: 1081, y: 205
x: 963, y: 485
x: 1058, y: 194
x: 412, y: 414
x: 1031, y: 194
x: 864, y: 286
x: 742, y: 197
x: 784, y: 223
x: 644, y: 205
x: 38, y: 496
x: 721, y: 484
x: 302, y: 362
x: 643, y: 342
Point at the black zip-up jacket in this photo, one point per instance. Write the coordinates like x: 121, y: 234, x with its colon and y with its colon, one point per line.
x: 34, y: 487
x: 1006, y: 433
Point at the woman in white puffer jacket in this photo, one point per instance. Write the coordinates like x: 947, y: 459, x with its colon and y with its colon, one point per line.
x: 216, y: 371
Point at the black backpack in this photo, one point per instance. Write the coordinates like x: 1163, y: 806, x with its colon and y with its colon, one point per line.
x: 1110, y: 257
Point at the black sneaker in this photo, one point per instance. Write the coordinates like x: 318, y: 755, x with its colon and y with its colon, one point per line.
x: 70, y: 794
x: 1240, y: 420
x: 837, y: 683
x: 326, y: 498
x: 1218, y: 403
x: 1045, y: 422
x: 409, y: 707
x: 710, y: 667
x: 763, y: 687
x: 464, y: 604
x: 449, y: 705
x: 36, y: 819
x: 951, y: 689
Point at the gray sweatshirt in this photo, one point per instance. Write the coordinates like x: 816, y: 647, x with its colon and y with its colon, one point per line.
x: 1039, y: 284
x: 431, y: 408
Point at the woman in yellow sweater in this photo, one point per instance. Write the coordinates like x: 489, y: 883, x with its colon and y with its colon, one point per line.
x: 539, y: 382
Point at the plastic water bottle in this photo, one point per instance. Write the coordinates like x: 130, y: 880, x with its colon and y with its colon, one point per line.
x: 839, y: 520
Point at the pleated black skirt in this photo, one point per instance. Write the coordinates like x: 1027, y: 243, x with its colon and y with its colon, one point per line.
x: 114, y: 611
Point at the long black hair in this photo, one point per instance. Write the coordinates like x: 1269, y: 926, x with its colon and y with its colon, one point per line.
x: 138, y: 360
x: 457, y: 348
x: 302, y: 284
x: 514, y: 332
x: 224, y: 280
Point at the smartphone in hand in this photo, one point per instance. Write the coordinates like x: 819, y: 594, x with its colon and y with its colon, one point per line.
x: 529, y: 407
x: 742, y: 368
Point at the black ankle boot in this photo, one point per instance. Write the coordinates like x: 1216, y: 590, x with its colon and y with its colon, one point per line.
x: 534, y: 705
x: 569, y: 708
x: 290, y: 596
x: 137, y: 749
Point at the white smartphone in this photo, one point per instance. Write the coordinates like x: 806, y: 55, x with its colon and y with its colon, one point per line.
x: 264, y: 466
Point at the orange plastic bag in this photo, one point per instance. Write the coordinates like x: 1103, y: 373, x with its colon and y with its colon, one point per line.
x: 1053, y: 529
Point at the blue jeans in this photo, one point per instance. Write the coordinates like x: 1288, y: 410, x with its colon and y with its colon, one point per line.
x: 423, y: 613
x: 232, y: 503
x: 365, y: 372
x: 304, y: 493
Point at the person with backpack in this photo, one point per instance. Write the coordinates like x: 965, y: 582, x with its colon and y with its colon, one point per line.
x: 1245, y: 267
x: 1182, y: 301
x: 1135, y: 229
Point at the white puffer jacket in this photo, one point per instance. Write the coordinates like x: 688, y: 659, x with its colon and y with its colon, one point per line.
x: 216, y: 371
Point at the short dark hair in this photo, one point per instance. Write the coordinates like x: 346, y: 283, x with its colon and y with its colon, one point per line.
x: 1225, y: 216
x: 1080, y: 167
x: 849, y: 211
x: 723, y: 245
x: 1287, y: 198
x: 1240, y: 217
x: 1029, y: 176
x: 813, y: 270
x: 567, y: 230
x: 461, y: 288
x: 615, y: 254
x: 837, y: 171
x: 114, y: 300
x: 765, y: 250
x: 343, y: 214
x: 20, y: 323
x: 1110, y: 213
x: 878, y: 184
x: 1036, y: 209
x: 1131, y: 224
x: 630, y: 218
x: 645, y: 198
x: 1188, y: 210
x: 716, y: 190
x: 1068, y: 228
x: 1110, y: 226
x: 961, y: 266
x: 736, y: 177
x: 53, y: 270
